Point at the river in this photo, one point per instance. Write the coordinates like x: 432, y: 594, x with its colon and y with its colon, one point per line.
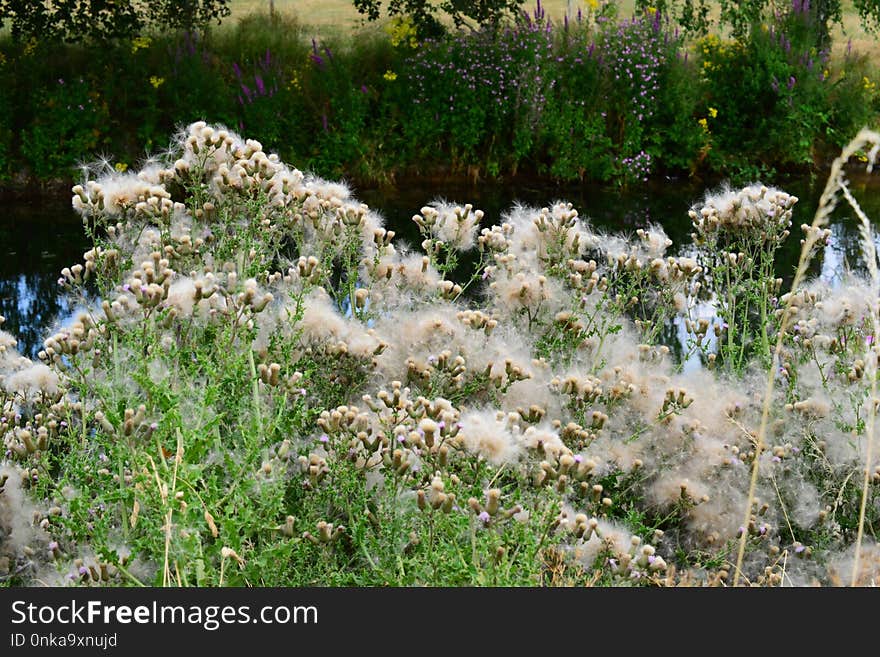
x: 38, y: 237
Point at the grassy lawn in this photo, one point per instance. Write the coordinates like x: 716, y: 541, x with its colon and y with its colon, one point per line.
x: 340, y: 14
x: 337, y: 17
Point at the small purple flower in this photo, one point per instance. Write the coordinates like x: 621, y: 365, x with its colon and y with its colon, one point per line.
x: 484, y: 517
x: 324, y: 438
x: 578, y: 458
x: 799, y: 548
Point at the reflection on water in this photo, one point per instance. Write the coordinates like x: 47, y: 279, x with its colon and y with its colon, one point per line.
x: 38, y: 239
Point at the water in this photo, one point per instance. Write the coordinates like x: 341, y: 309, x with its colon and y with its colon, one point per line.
x: 40, y: 237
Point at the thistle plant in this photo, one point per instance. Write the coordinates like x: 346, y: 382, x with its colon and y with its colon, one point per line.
x: 265, y: 388
x: 739, y: 233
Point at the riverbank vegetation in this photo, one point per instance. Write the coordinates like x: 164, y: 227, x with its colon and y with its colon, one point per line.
x: 598, y: 95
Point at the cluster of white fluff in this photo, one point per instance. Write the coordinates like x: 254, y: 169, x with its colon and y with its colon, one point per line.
x: 756, y: 209
x: 449, y: 225
x: 604, y: 416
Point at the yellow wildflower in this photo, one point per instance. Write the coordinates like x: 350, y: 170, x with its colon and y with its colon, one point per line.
x: 139, y: 43
x: 402, y: 31
x: 704, y: 124
x: 121, y: 167
x: 594, y: 5
x: 713, y: 112
x: 391, y: 76
x: 156, y: 81
x: 869, y: 86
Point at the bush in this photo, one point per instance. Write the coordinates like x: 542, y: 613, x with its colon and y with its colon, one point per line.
x: 773, y: 97
x: 593, y: 98
x: 269, y: 392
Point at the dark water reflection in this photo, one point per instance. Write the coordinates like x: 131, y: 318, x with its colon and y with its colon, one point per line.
x: 39, y: 238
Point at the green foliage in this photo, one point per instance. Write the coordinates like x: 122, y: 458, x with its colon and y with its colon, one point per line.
x: 695, y: 16
x: 69, y: 118
x: 423, y: 14
x: 592, y: 98
x: 775, y: 83
x: 101, y: 20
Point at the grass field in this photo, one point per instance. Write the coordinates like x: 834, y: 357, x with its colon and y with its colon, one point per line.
x: 337, y: 17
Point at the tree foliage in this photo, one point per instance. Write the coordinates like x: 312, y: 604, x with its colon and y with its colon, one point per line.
x: 695, y: 15
x: 78, y: 20
x: 424, y: 14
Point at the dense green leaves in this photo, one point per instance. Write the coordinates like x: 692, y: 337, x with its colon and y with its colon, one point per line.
x: 77, y: 20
